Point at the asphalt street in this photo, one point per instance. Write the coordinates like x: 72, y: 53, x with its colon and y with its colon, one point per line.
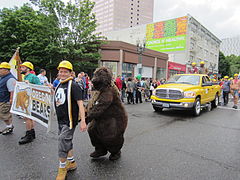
x: 171, y: 145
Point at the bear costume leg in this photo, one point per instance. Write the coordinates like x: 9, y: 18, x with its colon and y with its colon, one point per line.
x: 114, y: 147
x: 100, y: 149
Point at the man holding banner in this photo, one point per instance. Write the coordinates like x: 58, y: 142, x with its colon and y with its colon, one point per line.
x: 7, y: 83
x: 69, y: 109
x: 26, y: 68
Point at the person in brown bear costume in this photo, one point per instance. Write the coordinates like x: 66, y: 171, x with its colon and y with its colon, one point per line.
x: 107, y: 116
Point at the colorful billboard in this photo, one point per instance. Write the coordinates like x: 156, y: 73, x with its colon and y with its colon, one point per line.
x: 168, y: 35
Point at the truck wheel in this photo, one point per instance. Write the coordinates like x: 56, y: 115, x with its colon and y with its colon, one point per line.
x: 197, y: 107
x: 215, y: 101
x: 157, y: 109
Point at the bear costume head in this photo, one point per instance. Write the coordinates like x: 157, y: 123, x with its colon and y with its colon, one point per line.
x: 102, y: 78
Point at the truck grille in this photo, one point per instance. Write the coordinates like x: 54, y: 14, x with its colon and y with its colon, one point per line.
x: 169, y: 94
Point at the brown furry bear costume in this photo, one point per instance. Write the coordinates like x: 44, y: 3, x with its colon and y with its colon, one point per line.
x: 107, y: 116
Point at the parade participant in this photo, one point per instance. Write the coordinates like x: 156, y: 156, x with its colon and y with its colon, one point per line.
x: 235, y: 90
x: 26, y: 68
x: 202, y: 69
x: 42, y: 77
x: 226, y: 89
x: 69, y: 109
x: 193, y: 69
x: 7, y: 83
x: 107, y: 116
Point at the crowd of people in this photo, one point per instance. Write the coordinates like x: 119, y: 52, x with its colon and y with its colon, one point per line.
x: 135, y: 89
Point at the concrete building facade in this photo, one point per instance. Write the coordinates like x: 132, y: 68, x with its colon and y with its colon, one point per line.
x: 231, y: 46
x: 200, y: 44
x: 118, y: 14
x: 122, y: 58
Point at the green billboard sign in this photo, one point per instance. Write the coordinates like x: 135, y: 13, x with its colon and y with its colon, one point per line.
x: 166, y: 36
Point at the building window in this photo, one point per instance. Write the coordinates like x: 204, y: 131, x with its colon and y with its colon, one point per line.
x: 131, y: 22
x: 137, y: 14
x: 138, y: 19
x: 131, y: 8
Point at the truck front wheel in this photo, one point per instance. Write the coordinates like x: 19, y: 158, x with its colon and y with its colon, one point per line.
x: 215, y: 101
x: 197, y: 107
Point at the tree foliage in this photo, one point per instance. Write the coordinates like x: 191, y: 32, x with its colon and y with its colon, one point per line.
x: 53, y: 32
x: 223, y: 65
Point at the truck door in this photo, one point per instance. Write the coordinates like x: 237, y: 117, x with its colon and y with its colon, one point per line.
x: 206, y: 90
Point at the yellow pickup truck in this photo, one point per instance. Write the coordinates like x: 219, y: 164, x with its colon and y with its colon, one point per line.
x: 187, y: 91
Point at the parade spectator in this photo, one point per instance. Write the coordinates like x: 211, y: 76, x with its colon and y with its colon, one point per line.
x: 130, y: 88
x: 226, y: 90
x: 123, y: 91
x: 87, y: 86
x: 26, y: 67
x: 235, y: 89
x: 56, y: 81
x: 69, y: 105
x: 42, y: 77
x: 7, y: 83
x: 118, y: 82
x: 80, y: 82
x: 138, y: 91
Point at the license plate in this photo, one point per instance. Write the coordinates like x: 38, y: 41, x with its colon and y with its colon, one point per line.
x: 166, y: 105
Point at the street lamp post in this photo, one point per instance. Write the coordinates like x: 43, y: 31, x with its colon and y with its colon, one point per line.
x: 140, y: 50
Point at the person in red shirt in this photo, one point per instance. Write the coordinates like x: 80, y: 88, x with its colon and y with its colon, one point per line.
x: 118, y: 82
x: 193, y: 69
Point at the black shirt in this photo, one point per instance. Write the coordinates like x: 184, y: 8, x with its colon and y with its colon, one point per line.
x: 61, y: 103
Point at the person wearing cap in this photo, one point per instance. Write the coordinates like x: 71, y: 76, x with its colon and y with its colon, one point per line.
x: 202, y: 69
x: 193, y: 69
x: 69, y: 109
x: 26, y: 69
x: 235, y: 90
x: 226, y: 90
x: 7, y: 84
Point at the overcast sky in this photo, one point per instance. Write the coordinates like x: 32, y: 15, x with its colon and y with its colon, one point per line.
x: 221, y: 17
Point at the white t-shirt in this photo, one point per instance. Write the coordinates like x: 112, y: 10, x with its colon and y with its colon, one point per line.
x: 43, y: 79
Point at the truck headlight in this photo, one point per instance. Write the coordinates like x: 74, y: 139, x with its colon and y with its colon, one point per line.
x: 154, y: 92
x: 189, y: 94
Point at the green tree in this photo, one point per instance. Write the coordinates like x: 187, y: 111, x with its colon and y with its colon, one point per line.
x: 223, y: 65
x: 77, y: 24
x: 234, y: 62
x: 30, y: 30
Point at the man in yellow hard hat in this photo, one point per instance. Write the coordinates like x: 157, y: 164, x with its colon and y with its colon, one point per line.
x: 7, y: 84
x: 26, y: 69
x: 202, y: 69
x: 69, y: 109
x: 235, y: 88
x: 193, y: 69
x: 226, y: 89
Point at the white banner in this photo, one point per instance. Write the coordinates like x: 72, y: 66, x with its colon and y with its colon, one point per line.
x: 34, y: 102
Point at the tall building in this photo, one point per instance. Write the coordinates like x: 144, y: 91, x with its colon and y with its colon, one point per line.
x: 184, y: 39
x: 118, y: 14
x: 231, y: 46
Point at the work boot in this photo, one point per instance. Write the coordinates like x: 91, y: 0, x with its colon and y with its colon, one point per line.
x: 62, y: 173
x: 114, y: 157
x: 71, y: 165
x: 32, y: 132
x: 26, y: 139
x: 97, y: 154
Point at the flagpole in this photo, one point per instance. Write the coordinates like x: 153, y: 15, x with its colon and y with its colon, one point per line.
x: 18, y: 63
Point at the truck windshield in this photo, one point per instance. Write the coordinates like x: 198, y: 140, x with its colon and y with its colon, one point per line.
x: 184, y: 79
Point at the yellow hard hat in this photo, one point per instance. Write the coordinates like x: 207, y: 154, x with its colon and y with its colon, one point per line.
x: 65, y: 64
x: 235, y: 75
x: 226, y: 77
x: 202, y: 62
x: 194, y: 63
x: 5, y: 65
x: 231, y: 78
x: 28, y: 65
